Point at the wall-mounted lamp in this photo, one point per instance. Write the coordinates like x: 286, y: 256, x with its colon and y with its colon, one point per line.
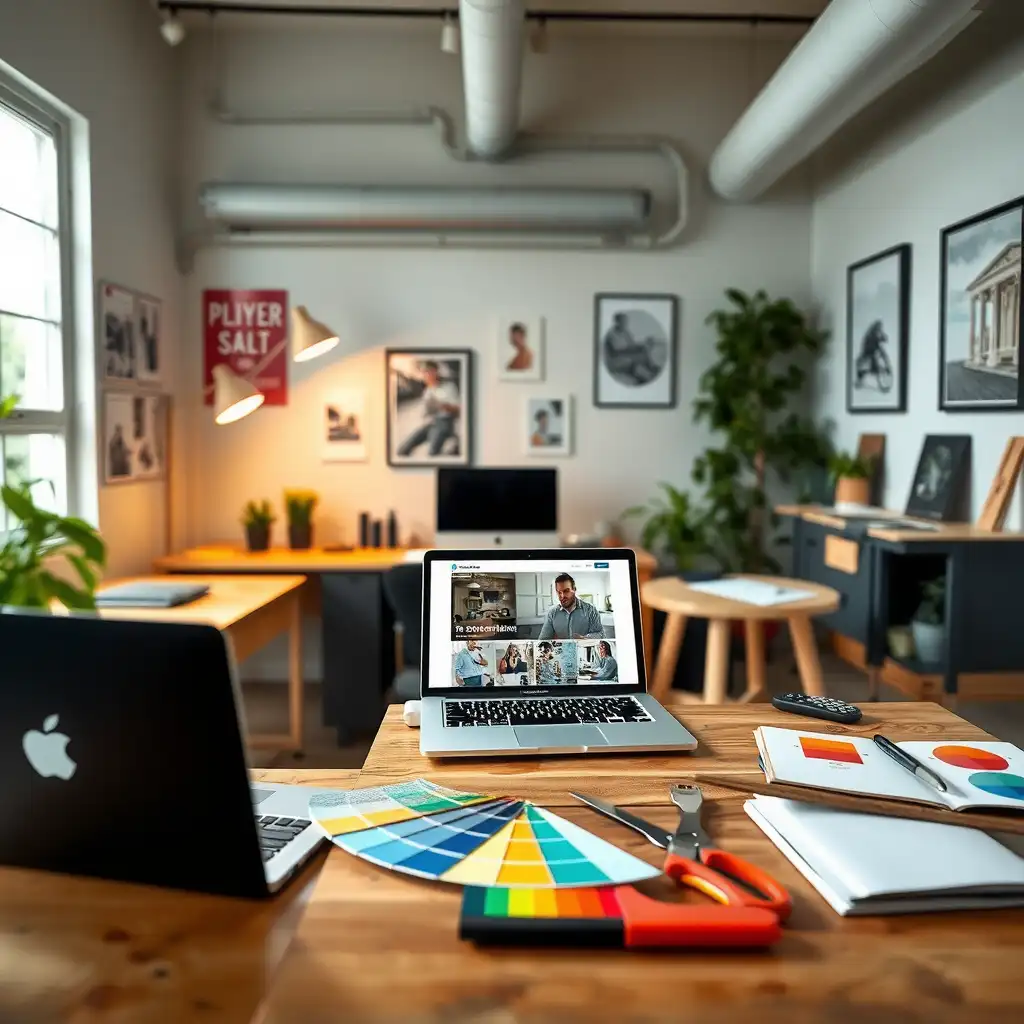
x: 171, y: 28
x: 310, y: 338
x: 233, y: 396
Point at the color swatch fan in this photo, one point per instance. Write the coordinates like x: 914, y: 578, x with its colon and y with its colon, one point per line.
x: 432, y: 832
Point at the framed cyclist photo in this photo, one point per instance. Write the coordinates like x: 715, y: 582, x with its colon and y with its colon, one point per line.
x: 877, y: 331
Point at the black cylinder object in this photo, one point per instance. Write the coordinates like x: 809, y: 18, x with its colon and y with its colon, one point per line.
x: 392, y: 530
x: 377, y: 531
x: 364, y: 529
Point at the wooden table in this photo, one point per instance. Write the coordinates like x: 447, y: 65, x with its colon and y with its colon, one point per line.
x: 680, y: 602
x: 251, y: 611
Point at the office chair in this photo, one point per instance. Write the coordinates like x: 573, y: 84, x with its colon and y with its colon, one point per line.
x: 403, y: 588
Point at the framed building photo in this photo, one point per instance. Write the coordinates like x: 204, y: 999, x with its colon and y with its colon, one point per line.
x: 117, y: 332
x: 429, y: 405
x: 548, y: 426
x: 134, y: 437
x: 635, y: 351
x: 520, y: 348
x: 980, y: 314
x: 148, y: 339
x: 937, y: 490
x: 877, y: 331
x: 344, y: 427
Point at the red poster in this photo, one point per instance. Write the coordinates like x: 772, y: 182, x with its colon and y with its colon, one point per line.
x: 247, y: 330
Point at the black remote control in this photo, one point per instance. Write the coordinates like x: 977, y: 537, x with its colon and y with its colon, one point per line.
x: 817, y: 707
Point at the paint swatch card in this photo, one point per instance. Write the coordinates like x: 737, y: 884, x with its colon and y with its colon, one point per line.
x: 433, y: 832
x: 978, y: 774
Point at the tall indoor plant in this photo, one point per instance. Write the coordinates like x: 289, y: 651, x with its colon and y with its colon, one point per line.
x: 36, y: 543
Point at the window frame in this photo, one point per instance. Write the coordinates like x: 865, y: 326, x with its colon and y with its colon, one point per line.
x: 41, y: 421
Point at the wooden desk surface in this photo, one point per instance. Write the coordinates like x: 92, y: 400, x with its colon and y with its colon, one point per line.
x: 670, y: 594
x: 229, y: 601
x: 375, y: 946
x: 946, y: 531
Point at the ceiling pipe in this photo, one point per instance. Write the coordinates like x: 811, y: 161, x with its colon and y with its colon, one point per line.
x: 492, y: 61
x: 856, y: 50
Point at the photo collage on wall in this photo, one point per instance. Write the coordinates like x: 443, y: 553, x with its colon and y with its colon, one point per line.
x: 532, y: 629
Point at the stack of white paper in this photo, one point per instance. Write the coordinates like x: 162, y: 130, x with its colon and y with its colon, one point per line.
x: 752, y: 592
x: 866, y: 864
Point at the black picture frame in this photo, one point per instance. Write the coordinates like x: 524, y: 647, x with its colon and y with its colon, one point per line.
x: 983, y: 380
x: 392, y: 401
x: 661, y: 391
x: 889, y: 381
x: 937, y: 488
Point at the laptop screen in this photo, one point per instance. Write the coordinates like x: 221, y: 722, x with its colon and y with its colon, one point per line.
x: 552, y: 621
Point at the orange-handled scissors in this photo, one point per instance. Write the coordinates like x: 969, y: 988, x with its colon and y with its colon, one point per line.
x: 694, y: 861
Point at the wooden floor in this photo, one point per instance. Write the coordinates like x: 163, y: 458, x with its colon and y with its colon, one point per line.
x: 266, y: 712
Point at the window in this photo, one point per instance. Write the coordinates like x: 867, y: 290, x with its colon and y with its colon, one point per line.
x: 34, y: 350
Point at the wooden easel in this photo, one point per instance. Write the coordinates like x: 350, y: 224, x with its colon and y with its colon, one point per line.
x: 993, y: 512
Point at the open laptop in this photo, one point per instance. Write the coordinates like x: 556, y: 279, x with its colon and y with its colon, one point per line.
x: 536, y: 651
x: 122, y: 757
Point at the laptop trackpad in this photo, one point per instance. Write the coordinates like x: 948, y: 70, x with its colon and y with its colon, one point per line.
x: 546, y: 736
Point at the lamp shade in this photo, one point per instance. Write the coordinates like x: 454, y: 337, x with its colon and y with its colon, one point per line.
x: 233, y: 396
x: 310, y: 338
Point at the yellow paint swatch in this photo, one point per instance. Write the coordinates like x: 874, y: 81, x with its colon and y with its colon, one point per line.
x: 524, y: 874
x: 545, y: 903
x: 522, y: 828
x: 482, y: 865
x: 342, y: 826
x: 390, y: 817
x: 520, y: 903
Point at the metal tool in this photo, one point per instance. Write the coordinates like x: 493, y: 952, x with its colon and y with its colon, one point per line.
x: 694, y: 861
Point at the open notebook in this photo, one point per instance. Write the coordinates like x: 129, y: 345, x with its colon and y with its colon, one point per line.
x: 977, y: 773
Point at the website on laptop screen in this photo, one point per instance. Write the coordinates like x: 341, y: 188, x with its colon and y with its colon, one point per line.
x: 561, y: 623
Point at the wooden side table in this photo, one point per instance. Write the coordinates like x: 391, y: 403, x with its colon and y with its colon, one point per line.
x: 681, y: 602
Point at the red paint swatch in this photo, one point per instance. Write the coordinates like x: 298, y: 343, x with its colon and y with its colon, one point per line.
x: 829, y: 750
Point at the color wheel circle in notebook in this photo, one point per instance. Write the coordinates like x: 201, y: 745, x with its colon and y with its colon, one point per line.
x: 970, y: 757
x: 1004, y: 784
x: 426, y: 830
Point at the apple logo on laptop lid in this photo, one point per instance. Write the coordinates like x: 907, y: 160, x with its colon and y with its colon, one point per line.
x: 47, y: 751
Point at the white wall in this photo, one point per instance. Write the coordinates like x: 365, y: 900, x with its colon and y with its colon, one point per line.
x: 690, y: 88
x: 105, y: 59
x: 927, y: 156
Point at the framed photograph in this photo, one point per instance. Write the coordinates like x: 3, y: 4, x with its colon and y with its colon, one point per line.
x: 635, y: 351
x: 117, y: 332
x: 520, y: 348
x: 548, y: 426
x: 429, y: 406
x: 980, y: 315
x: 877, y: 331
x: 937, y: 488
x: 134, y: 437
x: 344, y: 427
x: 148, y: 339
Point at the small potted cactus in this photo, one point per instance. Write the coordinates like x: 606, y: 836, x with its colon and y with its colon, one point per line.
x: 257, y: 519
x: 299, y: 506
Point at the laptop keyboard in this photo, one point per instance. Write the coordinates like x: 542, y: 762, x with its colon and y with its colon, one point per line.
x: 544, y: 711
x: 276, y: 833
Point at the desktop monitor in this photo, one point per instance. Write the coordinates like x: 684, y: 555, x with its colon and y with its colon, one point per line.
x: 479, y: 508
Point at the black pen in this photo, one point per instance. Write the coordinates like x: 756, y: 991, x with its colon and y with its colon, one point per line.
x: 911, y: 763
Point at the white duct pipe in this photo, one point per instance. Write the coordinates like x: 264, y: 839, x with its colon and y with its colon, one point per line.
x: 492, y: 61
x: 854, y: 52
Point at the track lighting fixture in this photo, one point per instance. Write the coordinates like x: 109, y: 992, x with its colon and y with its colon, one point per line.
x: 171, y: 27
x: 449, y: 35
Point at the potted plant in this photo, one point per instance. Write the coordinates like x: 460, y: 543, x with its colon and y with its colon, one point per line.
x: 257, y: 518
x: 299, y: 506
x: 929, y: 622
x: 36, y: 543
x: 850, y: 476
x: 674, y: 529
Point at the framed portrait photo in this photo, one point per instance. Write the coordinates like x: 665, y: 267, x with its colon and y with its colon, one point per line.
x: 980, y: 315
x: 548, y: 426
x: 877, y: 331
x: 344, y: 427
x: 937, y: 490
x: 148, y: 339
x: 429, y: 406
x: 520, y: 348
x: 135, y: 437
x: 635, y: 351
x: 116, y: 312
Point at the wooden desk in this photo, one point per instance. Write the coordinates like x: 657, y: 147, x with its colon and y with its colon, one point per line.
x: 345, y: 590
x: 250, y: 612
x: 375, y: 946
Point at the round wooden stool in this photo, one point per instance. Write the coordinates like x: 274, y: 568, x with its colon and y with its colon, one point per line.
x: 671, y: 595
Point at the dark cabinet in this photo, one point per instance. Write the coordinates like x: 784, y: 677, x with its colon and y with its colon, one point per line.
x: 827, y: 556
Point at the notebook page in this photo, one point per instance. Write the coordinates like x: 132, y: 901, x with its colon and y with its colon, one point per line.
x: 979, y: 773
x: 848, y: 764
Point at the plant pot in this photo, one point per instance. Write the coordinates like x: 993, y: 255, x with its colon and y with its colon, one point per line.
x: 257, y: 536
x: 901, y: 641
x: 300, y: 536
x: 930, y: 641
x: 855, y: 491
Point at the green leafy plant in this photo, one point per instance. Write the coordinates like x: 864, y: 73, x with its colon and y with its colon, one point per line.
x: 745, y: 398
x: 299, y: 506
x: 35, y: 543
x: 842, y: 465
x: 674, y: 526
x: 932, y: 609
x: 258, y: 513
